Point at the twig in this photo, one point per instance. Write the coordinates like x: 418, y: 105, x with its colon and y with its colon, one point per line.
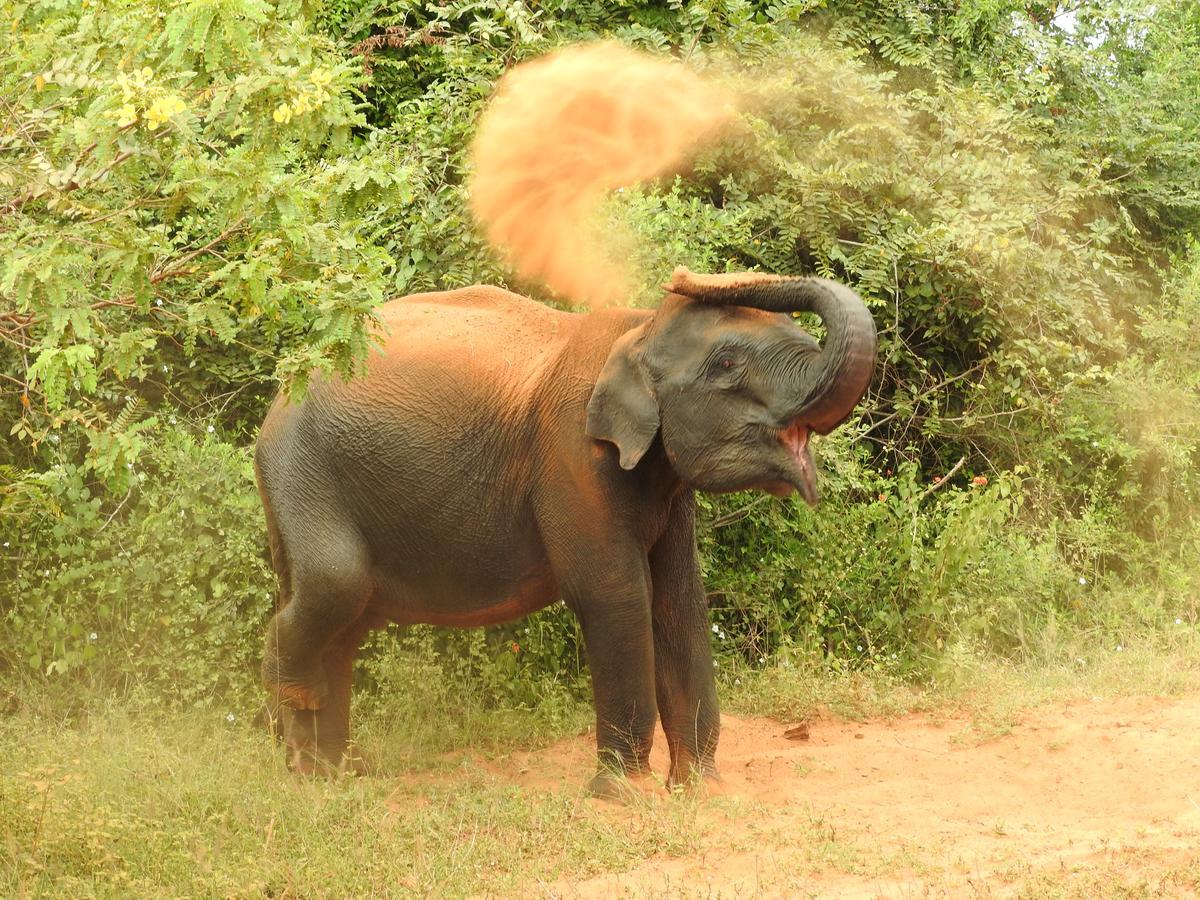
x: 942, y: 481
x: 188, y: 257
x: 925, y: 393
x: 738, y: 514
x: 695, y: 41
x: 17, y: 381
x: 19, y: 202
x: 128, y: 494
x: 21, y: 320
x: 177, y: 269
x: 896, y: 295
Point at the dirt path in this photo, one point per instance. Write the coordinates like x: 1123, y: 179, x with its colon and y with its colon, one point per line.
x: 1084, y: 799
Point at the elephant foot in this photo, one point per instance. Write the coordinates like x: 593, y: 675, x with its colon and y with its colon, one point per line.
x: 695, y: 780
x: 356, y: 763
x: 622, y: 788
x: 699, y: 786
x: 308, y: 763
x: 316, y: 747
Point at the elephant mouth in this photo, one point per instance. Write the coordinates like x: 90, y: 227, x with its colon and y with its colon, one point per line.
x: 794, y: 438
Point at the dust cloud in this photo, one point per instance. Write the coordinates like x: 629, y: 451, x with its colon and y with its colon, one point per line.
x: 563, y: 131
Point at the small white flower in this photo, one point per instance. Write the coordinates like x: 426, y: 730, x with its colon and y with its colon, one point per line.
x: 230, y: 718
x: 165, y: 369
x: 860, y: 648
x: 6, y: 543
x: 1177, y: 621
x: 1095, y: 443
x: 1119, y: 648
x: 45, y: 573
x: 737, y: 681
x: 1082, y: 580
x: 716, y: 629
x: 158, y: 302
x: 715, y: 665
x: 762, y: 659
x: 211, y: 429
x: 93, y: 636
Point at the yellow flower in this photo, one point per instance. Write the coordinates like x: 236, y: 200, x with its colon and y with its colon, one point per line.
x: 127, y: 89
x: 147, y: 73
x: 162, y: 109
x: 282, y: 114
x: 126, y: 115
x: 321, y: 76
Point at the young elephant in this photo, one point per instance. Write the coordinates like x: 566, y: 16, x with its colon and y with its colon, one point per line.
x: 500, y: 455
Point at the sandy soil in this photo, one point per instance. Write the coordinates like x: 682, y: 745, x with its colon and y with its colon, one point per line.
x: 1089, y: 798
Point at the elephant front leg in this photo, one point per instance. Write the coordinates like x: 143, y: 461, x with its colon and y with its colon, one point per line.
x: 686, y: 688
x: 617, y: 632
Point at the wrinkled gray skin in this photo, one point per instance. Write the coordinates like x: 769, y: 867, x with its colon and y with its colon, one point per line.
x: 500, y: 455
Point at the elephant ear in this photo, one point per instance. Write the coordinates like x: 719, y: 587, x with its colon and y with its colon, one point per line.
x: 623, y: 409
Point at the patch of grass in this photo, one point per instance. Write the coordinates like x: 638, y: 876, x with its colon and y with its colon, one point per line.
x: 1120, y: 874
x: 992, y: 692
x: 117, y: 798
x: 122, y: 804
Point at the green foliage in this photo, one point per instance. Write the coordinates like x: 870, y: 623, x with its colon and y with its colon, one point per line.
x: 171, y: 583
x: 169, y: 207
x: 203, y: 201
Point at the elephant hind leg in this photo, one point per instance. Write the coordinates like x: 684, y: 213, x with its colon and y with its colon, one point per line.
x: 330, y: 588
x: 318, y: 741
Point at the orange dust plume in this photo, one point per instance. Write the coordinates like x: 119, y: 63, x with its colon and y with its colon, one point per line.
x: 564, y: 130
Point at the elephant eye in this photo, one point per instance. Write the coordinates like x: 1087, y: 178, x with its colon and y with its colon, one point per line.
x: 722, y: 363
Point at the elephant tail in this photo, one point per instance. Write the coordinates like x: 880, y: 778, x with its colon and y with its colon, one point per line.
x: 279, y: 555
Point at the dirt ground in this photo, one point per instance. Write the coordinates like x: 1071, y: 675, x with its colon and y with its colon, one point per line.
x: 1094, y: 797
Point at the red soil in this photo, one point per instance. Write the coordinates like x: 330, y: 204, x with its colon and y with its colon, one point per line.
x: 1084, y: 797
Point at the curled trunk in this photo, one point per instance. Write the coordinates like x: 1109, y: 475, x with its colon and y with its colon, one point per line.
x: 829, y: 388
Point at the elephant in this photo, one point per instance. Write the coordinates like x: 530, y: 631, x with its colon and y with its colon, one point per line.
x: 498, y: 455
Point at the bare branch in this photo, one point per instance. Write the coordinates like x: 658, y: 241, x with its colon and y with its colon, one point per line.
x: 941, y: 482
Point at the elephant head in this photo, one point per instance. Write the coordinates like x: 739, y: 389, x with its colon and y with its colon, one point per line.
x: 732, y: 384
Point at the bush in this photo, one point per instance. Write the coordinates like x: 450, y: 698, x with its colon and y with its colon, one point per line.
x: 196, y: 217
x: 167, y: 592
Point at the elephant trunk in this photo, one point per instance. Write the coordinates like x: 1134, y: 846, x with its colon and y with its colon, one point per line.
x: 829, y: 387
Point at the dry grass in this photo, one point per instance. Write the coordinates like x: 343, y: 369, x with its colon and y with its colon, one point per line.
x: 123, y: 800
